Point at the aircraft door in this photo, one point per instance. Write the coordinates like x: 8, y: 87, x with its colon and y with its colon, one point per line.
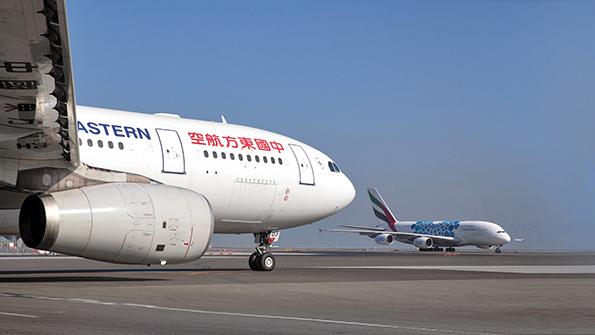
x: 171, y: 151
x: 304, y: 165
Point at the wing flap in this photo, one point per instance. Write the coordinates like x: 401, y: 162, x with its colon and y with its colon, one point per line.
x: 37, y: 116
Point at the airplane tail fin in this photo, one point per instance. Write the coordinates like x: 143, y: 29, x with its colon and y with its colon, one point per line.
x: 381, y: 210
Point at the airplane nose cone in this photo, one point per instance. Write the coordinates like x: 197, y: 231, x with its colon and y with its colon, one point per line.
x: 347, y: 193
x: 506, y: 238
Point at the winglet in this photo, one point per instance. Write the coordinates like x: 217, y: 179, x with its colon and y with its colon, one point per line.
x: 380, y: 208
x: 223, y: 120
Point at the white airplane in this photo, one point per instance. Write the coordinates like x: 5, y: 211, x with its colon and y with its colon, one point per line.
x: 135, y: 188
x: 430, y: 235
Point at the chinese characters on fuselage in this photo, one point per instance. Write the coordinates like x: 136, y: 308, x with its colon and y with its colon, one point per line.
x: 240, y: 142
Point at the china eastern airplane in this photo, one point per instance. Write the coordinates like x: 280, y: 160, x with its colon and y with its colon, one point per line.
x: 429, y: 235
x: 135, y: 188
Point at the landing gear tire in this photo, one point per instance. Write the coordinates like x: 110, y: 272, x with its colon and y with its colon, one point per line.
x: 267, y: 262
x: 254, y: 261
x: 262, y: 259
x: 450, y: 249
x: 498, y: 250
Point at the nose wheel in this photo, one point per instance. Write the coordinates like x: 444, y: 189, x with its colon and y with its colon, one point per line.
x: 262, y: 259
x: 264, y: 262
x: 498, y: 250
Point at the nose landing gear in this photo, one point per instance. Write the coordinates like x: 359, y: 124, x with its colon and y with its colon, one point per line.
x: 498, y: 250
x: 262, y: 259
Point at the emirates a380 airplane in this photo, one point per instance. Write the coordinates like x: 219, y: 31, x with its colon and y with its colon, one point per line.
x: 429, y: 235
x: 136, y: 188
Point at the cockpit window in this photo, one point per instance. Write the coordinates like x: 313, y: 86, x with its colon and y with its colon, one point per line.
x: 331, y: 167
x: 336, y: 167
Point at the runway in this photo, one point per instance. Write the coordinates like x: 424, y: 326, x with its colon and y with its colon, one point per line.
x: 312, y: 293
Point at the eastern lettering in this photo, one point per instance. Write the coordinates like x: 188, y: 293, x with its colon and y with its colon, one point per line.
x: 113, y: 130
x: 93, y: 128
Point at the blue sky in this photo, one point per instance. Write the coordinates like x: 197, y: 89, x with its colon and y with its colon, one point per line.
x: 453, y: 109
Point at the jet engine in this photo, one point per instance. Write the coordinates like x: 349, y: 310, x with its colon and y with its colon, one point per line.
x: 126, y: 223
x: 384, y: 239
x: 485, y: 246
x: 423, y: 242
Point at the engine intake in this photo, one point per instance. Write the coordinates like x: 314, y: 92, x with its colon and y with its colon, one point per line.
x: 423, y: 242
x: 120, y: 223
x: 384, y: 239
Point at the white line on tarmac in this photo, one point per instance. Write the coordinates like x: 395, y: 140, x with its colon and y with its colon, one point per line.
x: 248, y: 315
x: 19, y: 315
x: 58, y: 258
x: 525, y: 269
x: 12, y: 258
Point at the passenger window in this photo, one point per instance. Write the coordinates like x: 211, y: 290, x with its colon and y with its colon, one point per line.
x: 90, y: 142
x: 214, y: 154
x: 232, y: 156
x: 110, y: 144
x: 100, y: 143
x: 248, y: 158
x: 330, y: 166
x: 264, y: 159
x: 256, y: 158
x: 223, y: 155
x: 273, y: 160
x: 80, y: 141
x: 206, y: 154
x: 280, y: 161
x: 240, y: 157
x: 121, y: 145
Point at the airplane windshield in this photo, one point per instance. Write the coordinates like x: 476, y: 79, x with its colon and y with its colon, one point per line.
x: 333, y: 167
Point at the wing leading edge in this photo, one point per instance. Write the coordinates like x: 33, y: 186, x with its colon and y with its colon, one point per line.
x: 400, y: 235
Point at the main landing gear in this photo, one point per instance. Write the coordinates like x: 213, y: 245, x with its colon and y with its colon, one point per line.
x: 437, y: 249
x: 262, y: 259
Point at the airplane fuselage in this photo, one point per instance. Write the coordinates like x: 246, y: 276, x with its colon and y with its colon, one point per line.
x: 255, y: 180
x: 464, y: 233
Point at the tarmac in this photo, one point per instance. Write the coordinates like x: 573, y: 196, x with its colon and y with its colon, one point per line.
x: 308, y: 293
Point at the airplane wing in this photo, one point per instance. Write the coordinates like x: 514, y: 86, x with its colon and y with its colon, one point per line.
x: 368, y: 228
x: 37, y: 113
x: 401, y: 235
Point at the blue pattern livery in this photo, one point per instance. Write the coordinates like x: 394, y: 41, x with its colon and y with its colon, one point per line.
x: 444, y: 228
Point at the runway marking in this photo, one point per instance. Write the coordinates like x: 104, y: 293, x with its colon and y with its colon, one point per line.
x: 524, y: 269
x: 249, y: 315
x: 12, y: 258
x: 19, y: 315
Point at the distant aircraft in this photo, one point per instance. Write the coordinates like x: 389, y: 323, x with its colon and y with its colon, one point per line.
x: 430, y: 235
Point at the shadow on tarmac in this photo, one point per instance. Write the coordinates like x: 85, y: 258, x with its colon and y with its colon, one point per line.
x: 64, y: 279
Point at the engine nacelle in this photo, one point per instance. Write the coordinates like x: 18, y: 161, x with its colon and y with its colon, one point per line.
x: 120, y: 223
x: 485, y: 246
x: 423, y: 242
x: 384, y: 239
